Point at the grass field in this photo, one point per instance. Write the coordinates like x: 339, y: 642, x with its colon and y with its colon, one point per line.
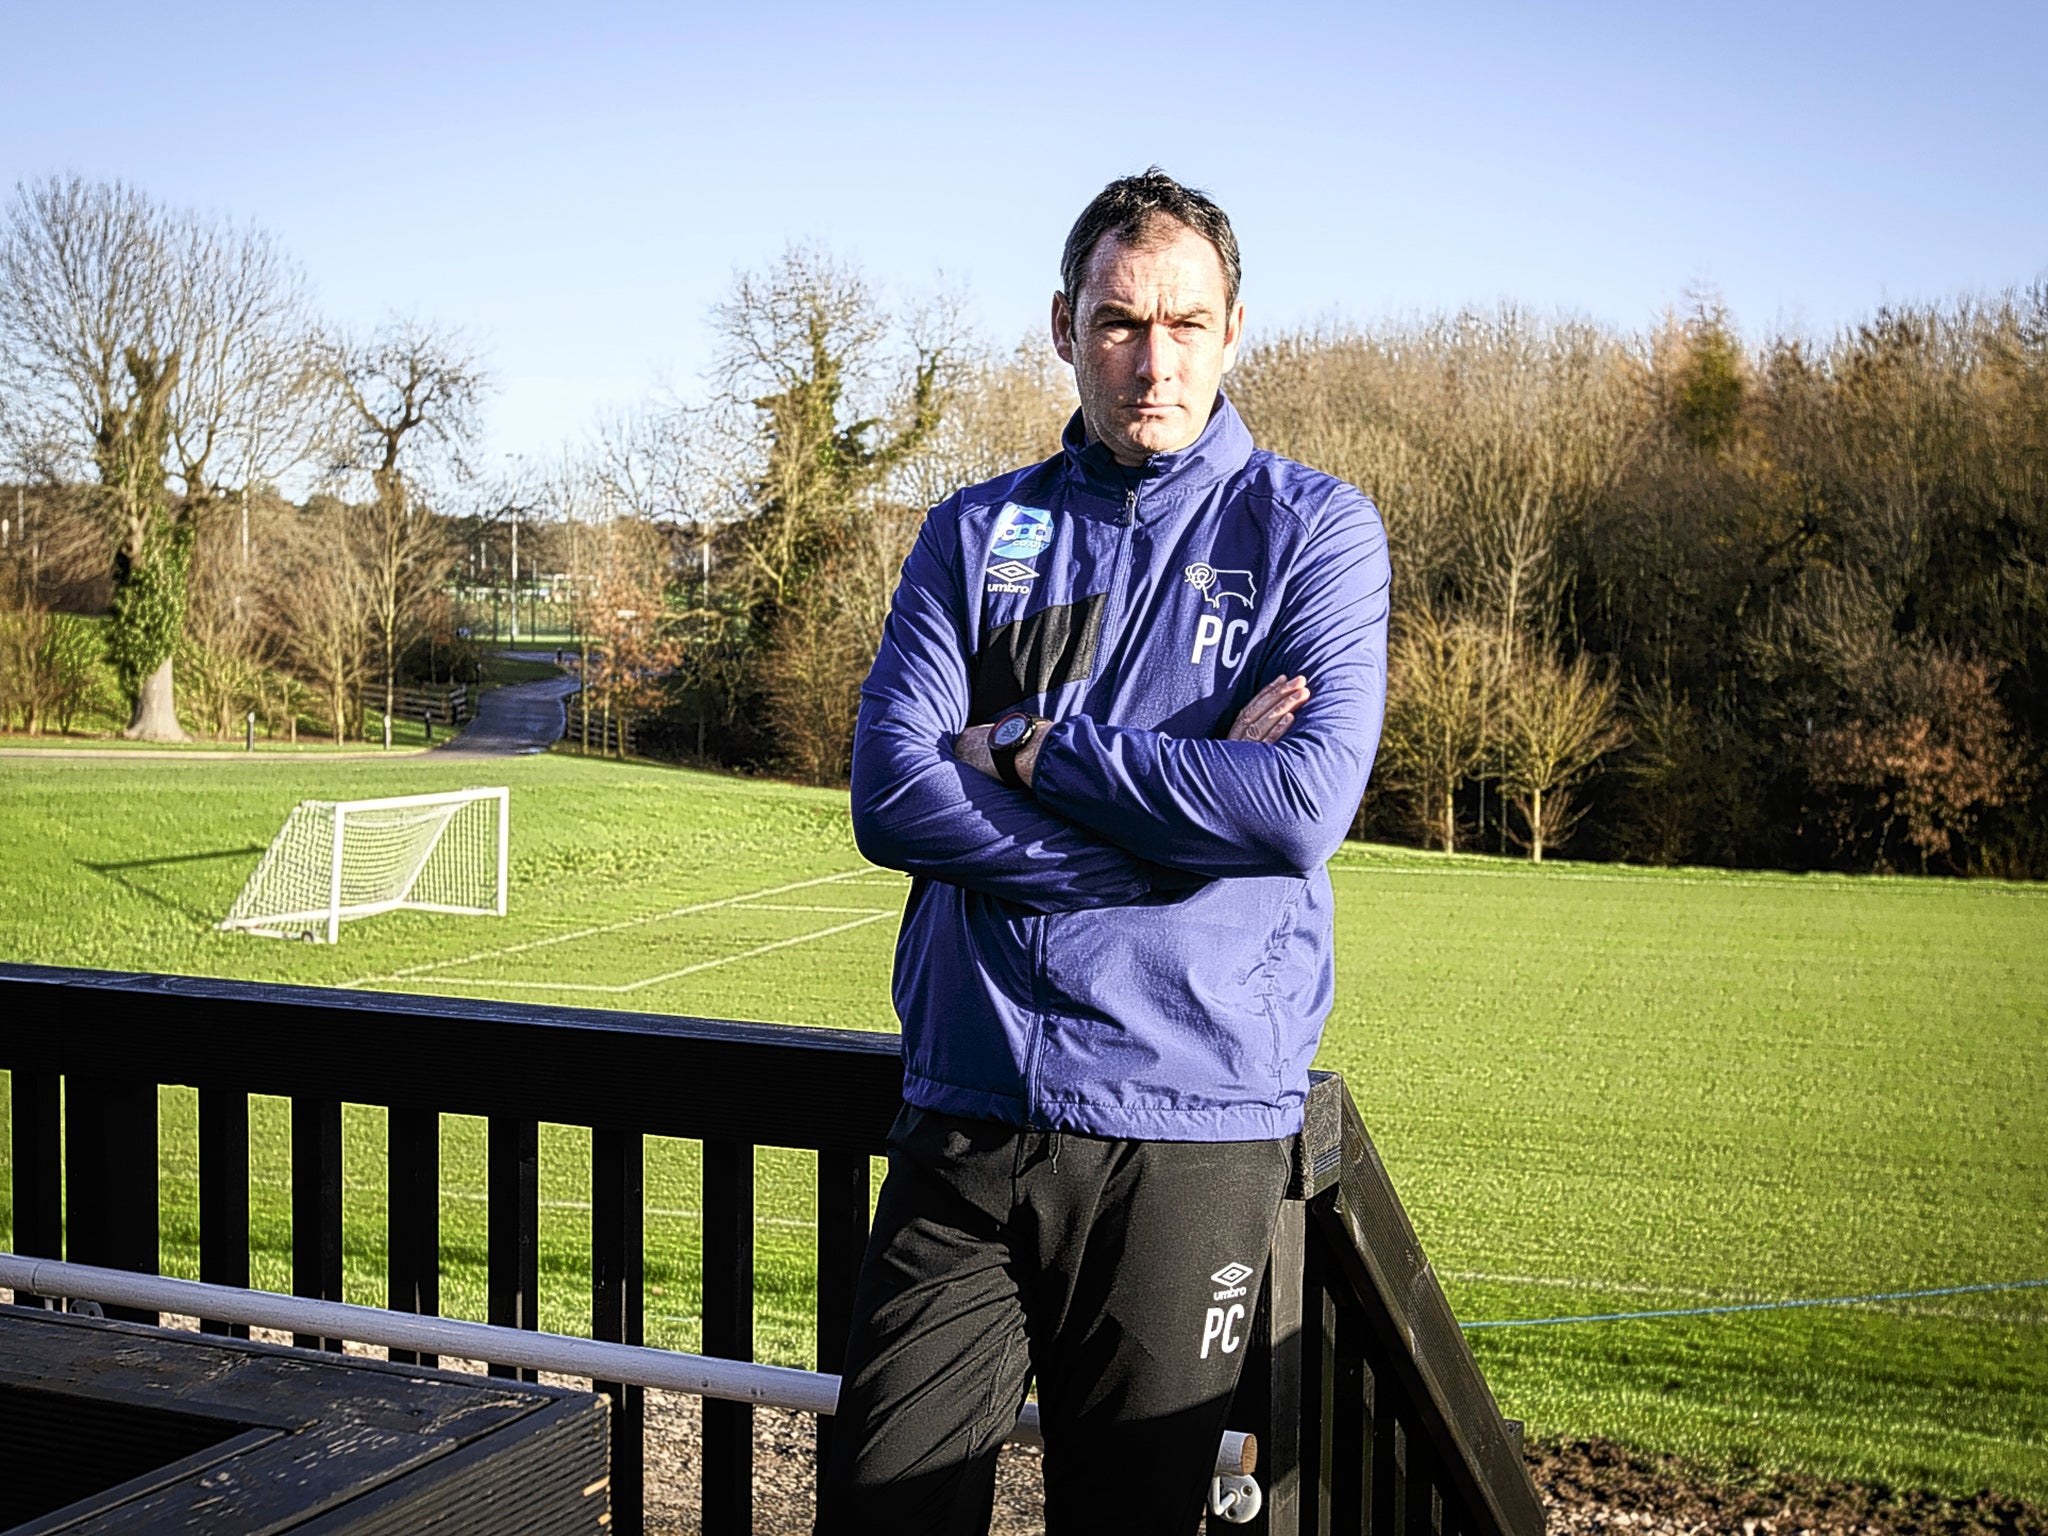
x: 1599, y: 1090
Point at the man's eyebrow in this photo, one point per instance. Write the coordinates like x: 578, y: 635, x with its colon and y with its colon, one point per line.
x: 1110, y: 309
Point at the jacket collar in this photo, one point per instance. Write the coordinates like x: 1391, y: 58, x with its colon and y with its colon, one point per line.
x: 1165, y: 479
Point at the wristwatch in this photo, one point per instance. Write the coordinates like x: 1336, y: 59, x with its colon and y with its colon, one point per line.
x: 1011, y: 735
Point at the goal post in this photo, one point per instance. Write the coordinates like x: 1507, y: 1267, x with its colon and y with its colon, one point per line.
x: 339, y: 859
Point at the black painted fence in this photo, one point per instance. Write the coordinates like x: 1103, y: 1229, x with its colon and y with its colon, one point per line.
x: 1370, y: 1412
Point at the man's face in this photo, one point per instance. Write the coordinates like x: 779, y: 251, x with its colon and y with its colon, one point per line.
x: 1150, y: 338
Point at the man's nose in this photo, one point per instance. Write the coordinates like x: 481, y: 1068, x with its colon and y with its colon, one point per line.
x: 1155, y: 353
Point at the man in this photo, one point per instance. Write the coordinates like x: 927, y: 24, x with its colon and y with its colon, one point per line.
x: 1115, y: 962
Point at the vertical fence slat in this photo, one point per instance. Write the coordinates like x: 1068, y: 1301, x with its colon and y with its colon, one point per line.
x: 38, y: 1164
x: 224, y: 1196
x: 110, y: 1155
x: 513, y: 1205
x: 412, y: 1218
x: 1351, y: 1435
x: 1389, y: 1460
x: 1319, y: 1449
x: 1269, y: 1393
x: 1423, y: 1503
x: 316, y: 1206
x: 843, y: 1195
x: 728, y: 1333
x: 617, y: 1262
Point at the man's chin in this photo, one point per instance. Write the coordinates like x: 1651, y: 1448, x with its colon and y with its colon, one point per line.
x: 1160, y: 434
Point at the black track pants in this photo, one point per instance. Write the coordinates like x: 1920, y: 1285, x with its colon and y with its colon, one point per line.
x: 1121, y: 1274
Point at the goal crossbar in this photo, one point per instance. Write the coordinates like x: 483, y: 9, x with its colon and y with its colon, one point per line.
x: 335, y: 860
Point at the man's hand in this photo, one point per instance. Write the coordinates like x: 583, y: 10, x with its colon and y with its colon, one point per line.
x: 1266, y: 718
x: 1271, y: 710
x: 972, y: 748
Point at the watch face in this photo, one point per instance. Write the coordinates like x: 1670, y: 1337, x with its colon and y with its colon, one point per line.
x: 1009, y: 730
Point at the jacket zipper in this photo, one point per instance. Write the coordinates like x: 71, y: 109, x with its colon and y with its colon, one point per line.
x: 1041, y: 981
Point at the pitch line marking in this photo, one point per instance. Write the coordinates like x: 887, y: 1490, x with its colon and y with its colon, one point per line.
x: 653, y: 981
x: 778, y: 906
x: 585, y: 933
x: 1620, y: 1287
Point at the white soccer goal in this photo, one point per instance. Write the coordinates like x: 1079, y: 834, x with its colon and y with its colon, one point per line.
x: 338, y: 859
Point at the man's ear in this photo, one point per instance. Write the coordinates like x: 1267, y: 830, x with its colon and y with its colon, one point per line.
x: 1233, y: 333
x: 1062, y: 327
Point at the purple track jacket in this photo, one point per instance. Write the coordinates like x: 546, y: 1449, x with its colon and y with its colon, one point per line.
x: 1138, y: 946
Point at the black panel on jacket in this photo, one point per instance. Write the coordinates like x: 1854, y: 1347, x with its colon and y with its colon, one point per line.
x: 1035, y: 655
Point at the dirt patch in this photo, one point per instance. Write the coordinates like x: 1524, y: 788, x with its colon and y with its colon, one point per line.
x: 1594, y: 1488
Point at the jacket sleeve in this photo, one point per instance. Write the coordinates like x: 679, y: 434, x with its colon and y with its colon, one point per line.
x: 1225, y: 808
x: 919, y: 809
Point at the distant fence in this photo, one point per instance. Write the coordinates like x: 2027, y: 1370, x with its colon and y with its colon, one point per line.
x: 1368, y: 1408
x: 603, y: 732
x: 443, y: 706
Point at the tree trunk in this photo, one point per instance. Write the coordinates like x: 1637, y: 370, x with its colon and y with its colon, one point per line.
x: 1535, y: 826
x: 156, y: 710
x: 1450, y: 820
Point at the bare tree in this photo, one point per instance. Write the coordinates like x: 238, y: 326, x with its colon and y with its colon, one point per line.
x: 822, y: 400
x: 168, y: 351
x: 409, y: 397
x: 624, y: 613
x: 1444, y: 683
x: 326, y: 633
x: 1558, y: 721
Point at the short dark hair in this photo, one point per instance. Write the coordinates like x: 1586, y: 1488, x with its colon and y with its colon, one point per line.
x: 1126, y: 208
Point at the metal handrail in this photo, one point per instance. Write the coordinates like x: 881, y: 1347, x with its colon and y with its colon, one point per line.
x: 636, y: 1365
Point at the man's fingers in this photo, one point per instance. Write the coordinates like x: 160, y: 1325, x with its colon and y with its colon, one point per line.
x: 1284, y: 701
x: 1271, y: 710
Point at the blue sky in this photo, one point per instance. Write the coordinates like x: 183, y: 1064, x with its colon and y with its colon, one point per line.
x: 575, y: 185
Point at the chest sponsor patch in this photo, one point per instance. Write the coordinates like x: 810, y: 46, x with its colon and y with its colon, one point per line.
x: 1022, y: 533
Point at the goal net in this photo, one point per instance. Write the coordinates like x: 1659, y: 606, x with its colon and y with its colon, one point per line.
x: 338, y: 859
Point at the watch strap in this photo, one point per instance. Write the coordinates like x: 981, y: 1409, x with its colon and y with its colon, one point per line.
x: 1005, y: 758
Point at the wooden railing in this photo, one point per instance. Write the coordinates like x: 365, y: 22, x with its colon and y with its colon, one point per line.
x: 1370, y: 1411
x: 603, y: 732
x: 442, y: 706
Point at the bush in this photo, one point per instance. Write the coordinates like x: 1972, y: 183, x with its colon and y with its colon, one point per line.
x: 53, y: 668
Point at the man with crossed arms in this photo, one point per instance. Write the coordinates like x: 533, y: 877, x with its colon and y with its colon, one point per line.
x: 1115, y: 961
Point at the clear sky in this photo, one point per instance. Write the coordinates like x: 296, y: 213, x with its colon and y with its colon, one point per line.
x: 576, y: 184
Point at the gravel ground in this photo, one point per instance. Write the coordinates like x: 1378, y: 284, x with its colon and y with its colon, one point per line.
x: 785, y: 1474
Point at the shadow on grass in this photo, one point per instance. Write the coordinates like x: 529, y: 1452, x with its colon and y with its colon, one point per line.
x: 120, y: 872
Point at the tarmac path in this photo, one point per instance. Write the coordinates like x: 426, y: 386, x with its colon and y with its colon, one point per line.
x: 518, y: 718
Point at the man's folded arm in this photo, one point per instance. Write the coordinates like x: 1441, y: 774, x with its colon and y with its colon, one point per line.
x: 1230, y: 808
x: 919, y: 809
